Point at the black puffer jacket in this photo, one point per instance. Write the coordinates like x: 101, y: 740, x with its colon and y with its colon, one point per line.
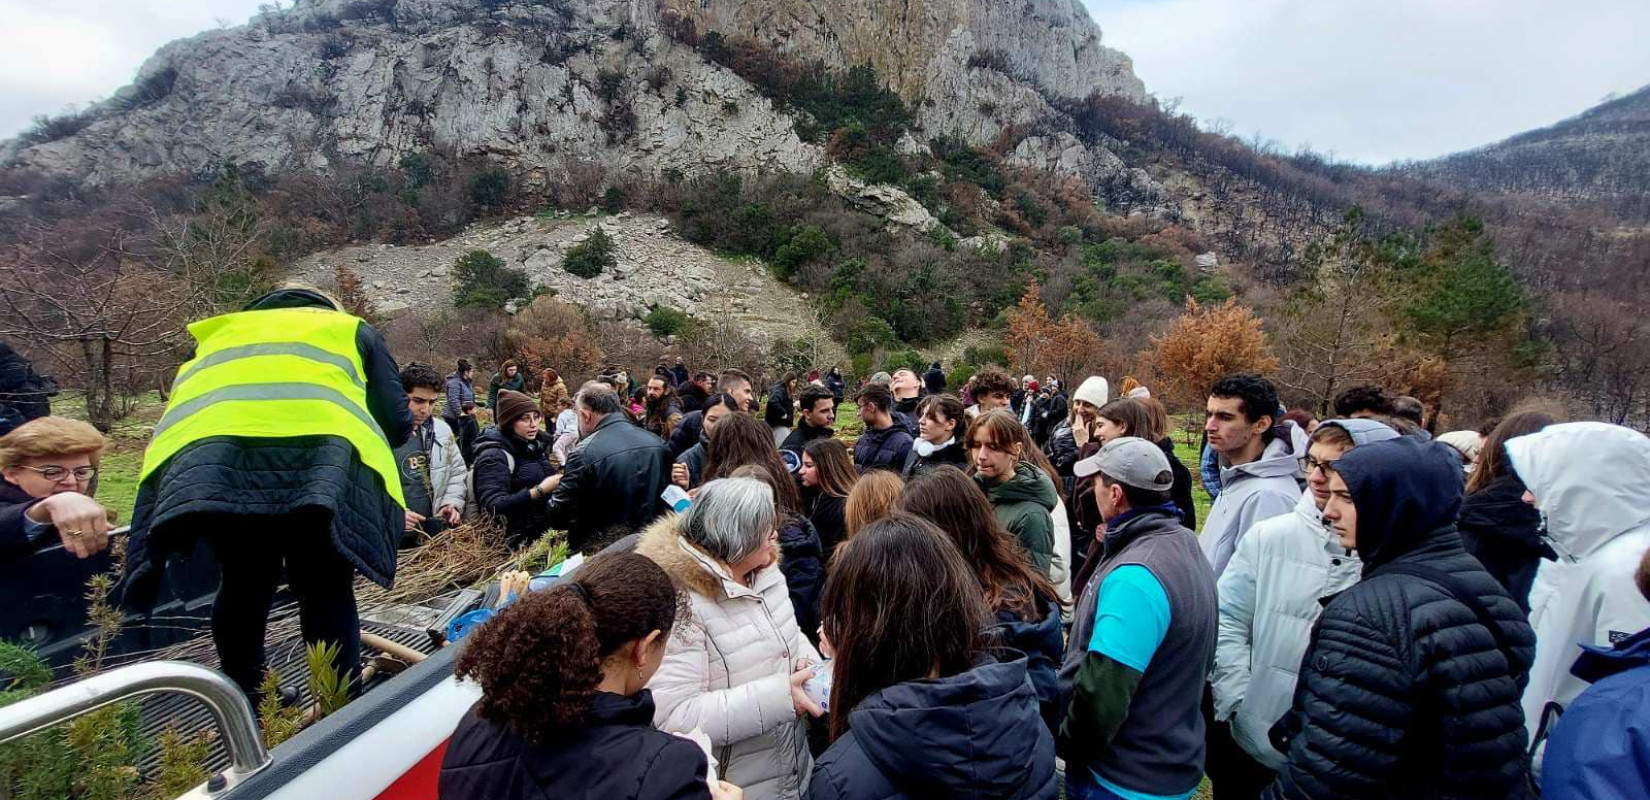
x: 801, y: 558
x: 506, y: 493
x: 973, y: 736
x: 1182, y: 491
x: 611, y: 484
x: 1503, y: 533
x: 227, y: 475
x: 1403, y: 693
x: 616, y: 754
x: 1044, y: 645
x: 826, y: 512
x: 780, y: 411
x: 884, y: 449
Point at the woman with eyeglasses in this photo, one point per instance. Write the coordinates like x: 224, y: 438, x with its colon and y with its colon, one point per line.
x: 48, y: 466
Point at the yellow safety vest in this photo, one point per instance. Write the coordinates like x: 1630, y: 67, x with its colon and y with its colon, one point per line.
x: 274, y: 374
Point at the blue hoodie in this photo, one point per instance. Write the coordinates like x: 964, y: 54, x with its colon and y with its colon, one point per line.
x: 1600, y: 748
x: 973, y: 736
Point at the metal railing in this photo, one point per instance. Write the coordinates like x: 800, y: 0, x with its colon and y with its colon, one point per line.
x: 230, y: 709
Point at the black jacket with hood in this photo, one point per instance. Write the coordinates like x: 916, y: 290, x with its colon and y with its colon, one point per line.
x: 1403, y: 692
x: 1503, y: 533
x: 973, y: 736
x: 507, y: 493
x: 615, y: 754
x: 239, y: 476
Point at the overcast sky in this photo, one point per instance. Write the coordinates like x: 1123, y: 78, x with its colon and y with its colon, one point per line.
x: 1377, y: 80
x: 1368, y: 80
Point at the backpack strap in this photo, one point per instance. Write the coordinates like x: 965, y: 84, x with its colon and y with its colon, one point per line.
x: 1454, y: 587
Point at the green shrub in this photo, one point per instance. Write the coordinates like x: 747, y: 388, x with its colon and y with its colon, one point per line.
x: 904, y: 359
x: 958, y: 377
x: 481, y: 279
x: 859, y: 365
x: 802, y: 245
x: 665, y: 321
x: 990, y: 355
x: 869, y: 334
x: 613, y: 200
x: 490, y: 188
x: 588, y: 258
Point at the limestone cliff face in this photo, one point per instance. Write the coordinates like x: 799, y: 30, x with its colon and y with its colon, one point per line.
x: 521, y: 85
x: 542, y: 86
x: 920, y: 45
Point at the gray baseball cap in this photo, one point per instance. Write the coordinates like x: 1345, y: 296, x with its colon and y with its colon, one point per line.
x: 1130, y: 461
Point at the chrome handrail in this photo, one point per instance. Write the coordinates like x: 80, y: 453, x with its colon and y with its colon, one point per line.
x: 232, y: 712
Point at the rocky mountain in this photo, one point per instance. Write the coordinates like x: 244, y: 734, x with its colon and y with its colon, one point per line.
x: 541, y: 85
x: 1600, y: 155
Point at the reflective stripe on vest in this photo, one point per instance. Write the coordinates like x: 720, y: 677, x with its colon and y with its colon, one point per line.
x: 280, y: 373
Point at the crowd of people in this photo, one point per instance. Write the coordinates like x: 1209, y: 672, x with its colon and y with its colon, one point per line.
x: 1001, y: 592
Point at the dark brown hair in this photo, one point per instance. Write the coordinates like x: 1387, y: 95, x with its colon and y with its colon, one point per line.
x: 957, y: 506
x: 1492, y: 457
x: 872, y: 499
x: 878, y: 396
x: 836, y: 470
x: 1132, y: 414
x: 742, y: 439
x: 899, y: 603
x: 1333, y: 435
x: 1159, y: 416
x: 946, y: 406
x: 539, y: 661
x: 991, y: 381
x: 1642, y: 578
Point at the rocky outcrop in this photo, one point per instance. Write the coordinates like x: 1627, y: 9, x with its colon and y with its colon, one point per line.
x: 889, y: 202
x: 543, y: 85
x: 655, y: 268
x: 920, y: 45
x: 526, y: 87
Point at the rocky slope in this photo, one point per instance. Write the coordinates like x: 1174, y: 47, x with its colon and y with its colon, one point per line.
x: 655, y: 268
x: 541, y: 85
x: 1602, y: 154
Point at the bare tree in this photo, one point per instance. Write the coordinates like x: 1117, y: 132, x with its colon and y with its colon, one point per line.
x: 108, y: 319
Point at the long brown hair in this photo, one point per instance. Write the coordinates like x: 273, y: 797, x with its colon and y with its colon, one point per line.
x: 539, y: 661
x: 1133, y: 415
x: 900, y: 603
x: 1000, y: 429
x: 1492, y: 457
x: 872, y: 499
x: 836, y: 469
x: 1159, y: 415
x: 742, y: 439
x: 957, y: 506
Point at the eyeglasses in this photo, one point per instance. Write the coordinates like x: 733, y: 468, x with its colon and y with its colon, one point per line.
x: 56, y: 473
x: 1311, y: 464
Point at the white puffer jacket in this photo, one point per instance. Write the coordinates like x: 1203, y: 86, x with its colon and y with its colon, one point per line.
x: 727, y: 669
x: 1589, y: 480
x: 448, y: 486
x: 1269, y: 600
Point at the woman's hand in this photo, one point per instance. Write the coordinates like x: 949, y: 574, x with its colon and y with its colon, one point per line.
x: 1080, y: 433
x: 679, y: 475
x: 825, y: 648
x: 81, y: 523
x: 799, y: 698
x: 549, y: 485
x: 722, y: 790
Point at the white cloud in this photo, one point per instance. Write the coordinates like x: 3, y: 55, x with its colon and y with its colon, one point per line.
x: 59, y: 53
x: 1377, y: 80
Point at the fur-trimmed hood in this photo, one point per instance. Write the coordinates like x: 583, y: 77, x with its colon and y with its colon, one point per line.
x: 693, y: 568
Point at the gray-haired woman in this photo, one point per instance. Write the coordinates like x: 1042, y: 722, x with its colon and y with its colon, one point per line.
x: 735, y: 668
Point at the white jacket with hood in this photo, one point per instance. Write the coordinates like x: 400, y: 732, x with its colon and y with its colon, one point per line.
x: 727, y: 668
x: 1270, y: 596
x: 1590, y: 481
x: 1264, y: 488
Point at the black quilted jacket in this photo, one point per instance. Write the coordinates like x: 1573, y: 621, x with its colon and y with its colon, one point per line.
x: 227, y: 475
x: 1403, y: 693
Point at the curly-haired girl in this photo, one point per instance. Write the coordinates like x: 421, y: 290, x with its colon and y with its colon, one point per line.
x: 563, y: 711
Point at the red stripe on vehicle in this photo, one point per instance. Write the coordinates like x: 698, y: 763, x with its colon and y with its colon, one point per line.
x: 418, y: 783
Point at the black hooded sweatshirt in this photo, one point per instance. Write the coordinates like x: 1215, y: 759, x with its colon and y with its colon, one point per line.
x: 1403, y: 692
